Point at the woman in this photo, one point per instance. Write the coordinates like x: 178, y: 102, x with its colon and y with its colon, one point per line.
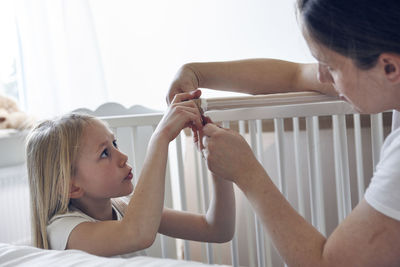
x: 357, y: 46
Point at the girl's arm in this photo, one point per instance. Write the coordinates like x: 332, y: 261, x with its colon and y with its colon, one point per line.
x: 217, y: 225
x: 138, y: 228
x: 251, y: 76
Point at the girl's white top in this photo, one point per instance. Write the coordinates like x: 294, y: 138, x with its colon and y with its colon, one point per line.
x: 61, y: 226
x: 383, y: 193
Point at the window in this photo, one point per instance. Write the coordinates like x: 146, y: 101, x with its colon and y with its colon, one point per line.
x: 8, y: 52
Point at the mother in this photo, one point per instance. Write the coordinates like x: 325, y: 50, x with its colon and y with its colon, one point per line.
x: 357, y: 46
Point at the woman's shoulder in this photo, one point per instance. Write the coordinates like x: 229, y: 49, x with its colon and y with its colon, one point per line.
x: 392, y: 141
x: 389, y: 162
x: 395, y: 120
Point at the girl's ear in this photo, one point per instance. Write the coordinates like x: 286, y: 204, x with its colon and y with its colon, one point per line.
x: 75, y: 191
x: 391, y: 66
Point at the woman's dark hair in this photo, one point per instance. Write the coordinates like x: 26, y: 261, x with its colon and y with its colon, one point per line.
x: 358, y: 29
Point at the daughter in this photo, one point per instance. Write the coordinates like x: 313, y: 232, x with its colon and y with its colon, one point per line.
x: 76, y: 170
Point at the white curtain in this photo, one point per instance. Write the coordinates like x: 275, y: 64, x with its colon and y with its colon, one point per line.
x: 60, y: 63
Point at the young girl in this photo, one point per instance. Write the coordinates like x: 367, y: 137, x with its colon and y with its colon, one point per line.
x: 75, y: 170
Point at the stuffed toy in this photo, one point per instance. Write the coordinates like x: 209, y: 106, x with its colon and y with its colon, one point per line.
x: 11, y: 117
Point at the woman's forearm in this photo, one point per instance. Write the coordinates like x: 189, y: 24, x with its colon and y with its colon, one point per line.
x: 258, y: 76
x: 298, y: 242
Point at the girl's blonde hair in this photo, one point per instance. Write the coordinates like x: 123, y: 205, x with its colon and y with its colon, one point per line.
x: 52, y: 150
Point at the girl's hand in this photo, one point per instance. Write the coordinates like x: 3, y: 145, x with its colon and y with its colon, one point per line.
x: 185, y: 80
x: 180, y: 114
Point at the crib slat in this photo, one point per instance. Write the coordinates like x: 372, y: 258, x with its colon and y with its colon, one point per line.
x: 339, y: 181
x: 267, y: 253
x: 314, y: 162
x: 259, y: 141
x: 250, y: 219
x: 359, y: 157
x: 260, y: 156
x: 234, y: 252
x: 178, y: 143
x: 311, y: 163
x: 280, y: 155
x: 163, y: 246
x: 341, y: 166
x: 297, y: 161
x: 182, y: 190
x: 376, y: 136
x: 259, y: 230
x: 242, y: 126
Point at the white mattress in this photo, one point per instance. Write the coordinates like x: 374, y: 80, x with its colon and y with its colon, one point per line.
x: 11, y: 255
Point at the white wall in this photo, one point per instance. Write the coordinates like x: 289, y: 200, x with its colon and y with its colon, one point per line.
x: 143, y: 43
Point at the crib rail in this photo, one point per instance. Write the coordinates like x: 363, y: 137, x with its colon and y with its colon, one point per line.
x: 279, y: 106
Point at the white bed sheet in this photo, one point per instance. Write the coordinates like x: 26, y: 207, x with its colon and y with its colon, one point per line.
x: 12, y: 255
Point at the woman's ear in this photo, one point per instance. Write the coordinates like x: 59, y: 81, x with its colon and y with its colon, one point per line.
x: 391, y: 66
x: 75, y: 191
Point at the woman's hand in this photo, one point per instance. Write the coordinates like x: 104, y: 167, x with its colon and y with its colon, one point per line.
x: 185, y: 80
x: 227, y: 153
x: 180, y: 114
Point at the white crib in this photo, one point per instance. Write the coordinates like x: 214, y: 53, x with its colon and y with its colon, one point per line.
x: 316, y: 149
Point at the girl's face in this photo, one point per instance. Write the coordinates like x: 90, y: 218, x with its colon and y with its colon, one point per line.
x: 101, y: 169
x: 366, y: 90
